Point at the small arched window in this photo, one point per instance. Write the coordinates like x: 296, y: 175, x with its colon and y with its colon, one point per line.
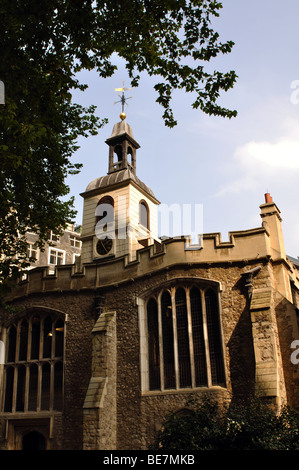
x: 184, y: 339
x: 33, y: 368
x: 105, y: 211
x: 144, y: 214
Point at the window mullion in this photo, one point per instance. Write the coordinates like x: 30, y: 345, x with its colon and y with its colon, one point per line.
x: 221, y: 335
x: 15, y: 379
x: 191, y: 349
x: 39, y: 365
x: 53, y: 340
x: 51, y: 400
x: 39, y: 386
x: 41, y: 338
x: 3, y: 371
x: 51, y: 385
x: 175, y: 338
x: 18, y: 341
x: 29, y: 343
x: 206, y: 339
x: 29, y: 355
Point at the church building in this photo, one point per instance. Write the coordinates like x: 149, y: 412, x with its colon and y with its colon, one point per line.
x: 97, y: 352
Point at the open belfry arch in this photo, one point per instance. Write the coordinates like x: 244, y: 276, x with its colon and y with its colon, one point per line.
x: 98, y: 352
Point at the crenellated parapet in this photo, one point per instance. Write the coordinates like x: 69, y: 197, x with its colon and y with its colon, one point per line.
x: 242, y: 247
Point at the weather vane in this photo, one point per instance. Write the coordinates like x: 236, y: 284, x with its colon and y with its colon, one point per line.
x: 123, y: 100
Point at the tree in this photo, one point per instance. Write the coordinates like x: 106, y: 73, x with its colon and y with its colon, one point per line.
x: 43, y: 47
x: 247, y: 425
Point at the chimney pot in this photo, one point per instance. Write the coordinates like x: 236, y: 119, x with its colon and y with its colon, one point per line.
x: 268, y: 198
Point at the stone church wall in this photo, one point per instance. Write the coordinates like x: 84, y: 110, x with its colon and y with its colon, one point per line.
x: 139, y: 415
x: 80, y: 315
x: 105, y: 406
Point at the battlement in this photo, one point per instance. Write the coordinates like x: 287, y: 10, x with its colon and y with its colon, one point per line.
x: 242, y: 247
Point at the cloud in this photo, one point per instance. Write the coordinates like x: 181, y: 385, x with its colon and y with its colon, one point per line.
x: 242, y: 183
x: 282, y: 154
x: 256, y: 164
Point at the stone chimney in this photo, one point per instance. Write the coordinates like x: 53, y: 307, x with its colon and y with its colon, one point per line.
x: 271, y: 218
x: 270, y: 215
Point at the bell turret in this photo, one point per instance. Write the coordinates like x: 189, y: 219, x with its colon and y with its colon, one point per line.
x: 122, y: 148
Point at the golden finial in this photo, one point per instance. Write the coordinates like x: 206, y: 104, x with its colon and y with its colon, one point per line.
x: 122, y: 100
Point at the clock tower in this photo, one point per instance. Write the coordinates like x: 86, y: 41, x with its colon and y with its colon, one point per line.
x: 120, y: 211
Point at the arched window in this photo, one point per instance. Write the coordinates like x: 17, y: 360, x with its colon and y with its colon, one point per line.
x: 184, y: 339
x: 105, y: 212
x: 144, y: 214
x: 33, y: 369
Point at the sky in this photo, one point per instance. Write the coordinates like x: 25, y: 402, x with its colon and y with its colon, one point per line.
x: 225, y: 165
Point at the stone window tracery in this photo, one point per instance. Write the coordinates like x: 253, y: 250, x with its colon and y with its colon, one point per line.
x: 33, y: 369
x: 184, y: 340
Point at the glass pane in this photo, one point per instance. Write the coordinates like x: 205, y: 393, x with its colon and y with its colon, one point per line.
x: 198, y: 338
x: 59, y: 258
x: 167, y: 333
x: 9, y: 389
x: 12, y: 336
x: 58, y: 385
x: 33, y: 381
x: 47, y: 337
x: 153, y: 345
x: 35, y: 337
x: 59, y: 336
x: 20, y: 403
x: 46, y: 381
x: 215, y: 347
x: 143, y: 215
x: 23, y: 341
x: 183, y: 338
x: 53, y: 259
